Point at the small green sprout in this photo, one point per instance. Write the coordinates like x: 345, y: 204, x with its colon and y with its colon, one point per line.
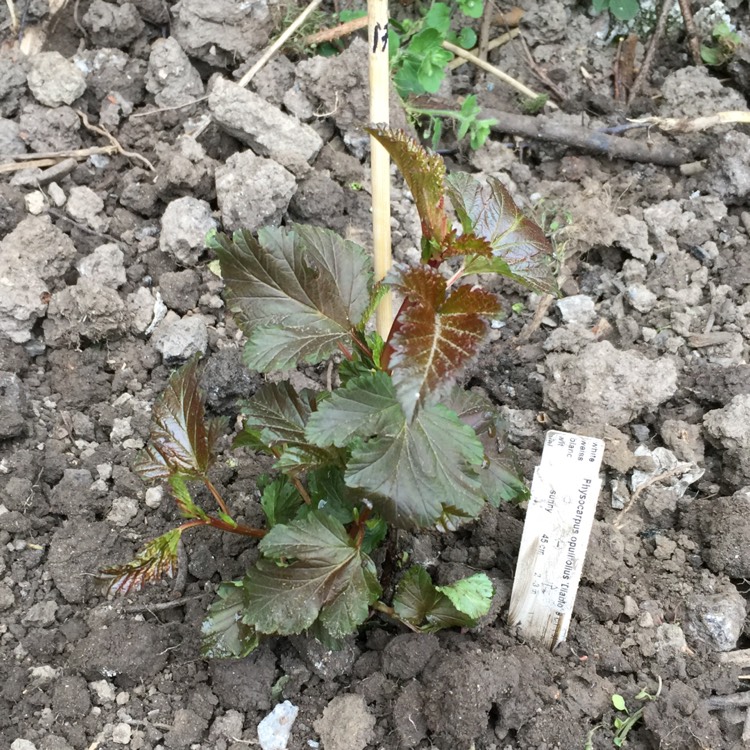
x: 725, y: 42
x: 627, y: 720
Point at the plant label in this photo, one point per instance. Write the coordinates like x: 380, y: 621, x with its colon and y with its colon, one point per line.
x: 560, y: 515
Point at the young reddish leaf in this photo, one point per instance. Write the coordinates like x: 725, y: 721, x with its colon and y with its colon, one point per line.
x: 158, y: 559
x: 519, y: 248
x: 328, y: 579
x: 296, y: 294
x: 425, y: 175
x: 437, y: 335
x: 466, y: 244
x: 225, y: 636
x: 428, y: 465
x: 180, y: 441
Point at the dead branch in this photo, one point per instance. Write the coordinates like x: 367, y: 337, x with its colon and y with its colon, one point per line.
x: 50, y: 159
x: 538, y: 72
x: 498, y: 41
x: 330, y: 35
x: 692, y: 34
x: 661, y: 22
x: 694, y: 124
x: 541, y: 128
x: 113, y: 141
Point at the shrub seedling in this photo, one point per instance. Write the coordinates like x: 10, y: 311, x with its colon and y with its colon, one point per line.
x: 397, y: 445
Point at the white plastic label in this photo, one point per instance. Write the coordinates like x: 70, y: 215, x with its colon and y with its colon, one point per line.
x: 556, y: 533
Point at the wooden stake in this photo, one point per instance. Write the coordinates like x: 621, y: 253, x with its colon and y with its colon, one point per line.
x: 377, y: 35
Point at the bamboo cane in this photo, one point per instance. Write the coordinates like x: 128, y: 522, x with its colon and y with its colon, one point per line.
x: 377, y: 34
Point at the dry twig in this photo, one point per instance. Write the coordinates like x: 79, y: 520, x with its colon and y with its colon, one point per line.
x: 543, y: 129
x: 498, y: 41
x: 538, y: 72
x: 113, y: 141
x: 692, y: 33
x: 661, y: 22
x: 330, y: 35
x: 695, y: 124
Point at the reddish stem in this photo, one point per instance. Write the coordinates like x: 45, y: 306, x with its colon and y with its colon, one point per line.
x: 217, y: 523
x: 219, y: 499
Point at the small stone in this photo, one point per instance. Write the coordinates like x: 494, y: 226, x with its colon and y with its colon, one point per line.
x: 124, y: 510
x: 53, y: 80
x: 630, y: 607
x: 265, y: 128
x: 44, y: 675
x: 716, y: 620
x: 121, y: 734
x: 105, y: 265
x: 56, y: 194
x: 228, y: 726
x: 578, y: 308
x: 41, y: 614
x: 154, y: 497
x: 111, y: 25
x: 7, y: 599
x: 123, y: 698
x: 274, y: 729
x: 252, y: 191
x: 177, y: 339
x: 36, y: 203
x: 104, y: 690
x: 121, y: 429
x: 85, y: 205
x: 184, y: 226
x: 346, y: 724
x: 641, y: 297
x: 22, y: 745
x: 171, y: 77
x: 187, y: 728
x: 12, y: 406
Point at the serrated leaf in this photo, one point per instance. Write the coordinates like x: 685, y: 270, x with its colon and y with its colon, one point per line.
x: 296, y: 294
x: 499, y: 475
x: 277, y: 413
x: 415, y: 596
x: 437, y: 334
x: 180, y: 441
x: 427, y: 465
x: 185, y: 503
x: 424, y: 174
x: 366, y: 406
x: 225, y: 636
x: 326, y: 579
x: 157, y: 560
x: 520, y: 249
x: 330, y: 494
x: 472, y: 595
x: 422, y: 604
x: 280, y: 501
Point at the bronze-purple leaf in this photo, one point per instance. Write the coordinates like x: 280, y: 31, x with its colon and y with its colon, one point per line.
x: 157, y: 560
x: 180, y: 441
x: 438, y: 334
x: 424, y: 174
x: 520, y: 249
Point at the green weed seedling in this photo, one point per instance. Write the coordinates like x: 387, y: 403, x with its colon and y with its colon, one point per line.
x: 622, y: 10
x: 724, y: 44
x: 627, y: 720
x: 398, y: 445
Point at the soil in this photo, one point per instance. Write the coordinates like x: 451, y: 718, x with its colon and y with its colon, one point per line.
x: 106, y: 286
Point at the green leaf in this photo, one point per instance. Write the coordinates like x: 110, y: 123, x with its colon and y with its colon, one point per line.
x: 180, y: 441
x: 280, y: 501
x: 225, y: 636
x: 296, y: 294
x: 471, y: 8
x: 420, y: 603
x: 415, y: 596
x: 520, y: 249
x: 438, y: 17
x: 328, y: 579
x: 330, y: 494
x: 424, y: 174
x: 366, y: 406
x: 426, y: 466
x: 157, y: 560
x: 472, y: 595
x: 619, y: 702
x: 185, y: 503
x: 599, y: 5
x: 437, y: 334
x: 467, y: 38
x: 624, y: 10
